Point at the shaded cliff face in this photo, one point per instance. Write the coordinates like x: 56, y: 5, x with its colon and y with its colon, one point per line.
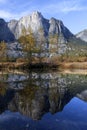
x: 82, y: 35
x: 57, y: 27
x: 5, y: 32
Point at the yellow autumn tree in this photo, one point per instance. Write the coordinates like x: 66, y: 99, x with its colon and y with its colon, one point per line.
x: 53, y: 42
x: 27, y: 41
x: 41, y: 45
x: 53, y: 48
x: 3, y: 51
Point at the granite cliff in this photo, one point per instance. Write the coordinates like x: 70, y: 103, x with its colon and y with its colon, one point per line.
x: 13, y: 29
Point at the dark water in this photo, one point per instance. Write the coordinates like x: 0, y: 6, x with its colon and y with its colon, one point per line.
x: 43, y: 101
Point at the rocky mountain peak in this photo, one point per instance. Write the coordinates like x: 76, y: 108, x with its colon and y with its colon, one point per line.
x: 12, y: 22
x: 56, y: 26
x: 82, y: 35
x: 55, y: 20
x: 36, y: 14
x: 33, y: 15
x: 36, y: 21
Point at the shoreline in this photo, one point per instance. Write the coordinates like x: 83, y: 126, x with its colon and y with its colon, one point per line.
x: 61, y: 65
x: 74, y: 65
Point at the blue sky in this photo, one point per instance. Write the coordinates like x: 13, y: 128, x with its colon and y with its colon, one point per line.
x: 73, y: 13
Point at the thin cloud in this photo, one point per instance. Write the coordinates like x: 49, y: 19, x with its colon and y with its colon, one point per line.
x: 9, y: 15
x: 70, y: 6
x: 66, y: 6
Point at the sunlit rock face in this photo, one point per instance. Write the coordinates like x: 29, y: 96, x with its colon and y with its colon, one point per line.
x: 36, y: 21
x: 57, y: 27
x: 5, y: 32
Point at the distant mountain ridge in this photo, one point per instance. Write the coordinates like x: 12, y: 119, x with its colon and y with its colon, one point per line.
x: 82, y: 35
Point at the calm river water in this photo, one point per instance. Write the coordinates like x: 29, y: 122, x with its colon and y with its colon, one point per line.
x: 43, y: 100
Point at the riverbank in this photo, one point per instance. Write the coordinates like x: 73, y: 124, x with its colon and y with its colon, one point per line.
x: 74, y: 65
x: 25, y: 65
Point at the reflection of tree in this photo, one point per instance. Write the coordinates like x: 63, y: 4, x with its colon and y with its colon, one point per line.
x: 2, y: 88
x: 6, y: 95
x: 35, y: 101
x: 28, y: 93
x: 37, y: 98
x: 55, y: 100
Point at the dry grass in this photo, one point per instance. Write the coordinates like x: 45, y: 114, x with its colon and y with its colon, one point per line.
x: 77, y: 65
x: 74, y: 71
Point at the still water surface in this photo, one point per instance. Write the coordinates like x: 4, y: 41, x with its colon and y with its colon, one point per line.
x: 43, y: 100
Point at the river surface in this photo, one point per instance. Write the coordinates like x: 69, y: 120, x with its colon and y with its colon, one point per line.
x: 43, y: 100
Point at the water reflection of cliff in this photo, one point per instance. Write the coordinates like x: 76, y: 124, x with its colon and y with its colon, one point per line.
x: 39, y: 93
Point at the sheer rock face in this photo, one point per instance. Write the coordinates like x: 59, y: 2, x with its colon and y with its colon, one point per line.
x: 57, y: 27
x: 5, y: 33
x: 13, y: 29
x: 35, y: 21
x: 12, y: 26
x: 82, y: 35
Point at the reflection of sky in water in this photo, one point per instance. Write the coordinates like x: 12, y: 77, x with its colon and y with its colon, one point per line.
x: 37, y: 94
x: 73, y: 117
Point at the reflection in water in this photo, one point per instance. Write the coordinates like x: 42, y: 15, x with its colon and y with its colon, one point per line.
x: 35, y: 94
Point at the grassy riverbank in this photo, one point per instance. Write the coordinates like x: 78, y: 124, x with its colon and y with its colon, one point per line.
x: 74, y: 65
x: 25, y: 65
